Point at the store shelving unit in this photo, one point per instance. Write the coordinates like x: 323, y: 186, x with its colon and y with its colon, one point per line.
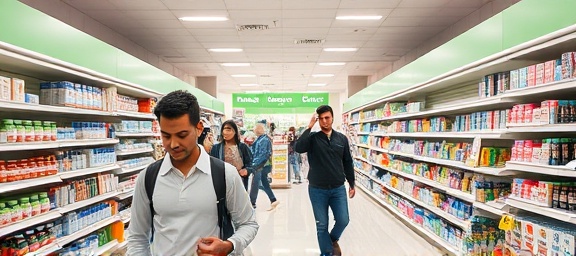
x: 134, y: 152
x: 17, y: 62
x: 134, y: 134
x: 130, y: 170
x: 437, y: 240
x: 55, y: 144
x: 107, y: 247
x: 454, y: 93
x: 280, y: 173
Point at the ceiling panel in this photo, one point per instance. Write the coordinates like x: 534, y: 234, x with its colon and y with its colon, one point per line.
x: 309, y: 14
x: 305, y: 32
x: 138, y: 4
x: 297, y: 4
x: 90, y: 5
x: 170, y: 32
x: 193, y: 4
x: 255, y: 14
x: 426, y: 3
x: 344, y: 4
x: 304, y: 23
x: 150, y: 15
x: 253, y: 5
x: 161, y: 23
x: 211, y: 31
x: 154, y: 24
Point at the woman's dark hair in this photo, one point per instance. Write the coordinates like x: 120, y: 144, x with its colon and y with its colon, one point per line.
x: 177, y: 104
x: 232, y: 124
x: 324, y: 108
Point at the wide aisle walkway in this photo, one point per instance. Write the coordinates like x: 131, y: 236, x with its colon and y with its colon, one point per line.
x: 290, y: 229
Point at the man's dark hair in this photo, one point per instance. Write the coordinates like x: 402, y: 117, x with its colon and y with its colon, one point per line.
x: 232, y: 124
x: 323, y: 109
x: 177, y: 104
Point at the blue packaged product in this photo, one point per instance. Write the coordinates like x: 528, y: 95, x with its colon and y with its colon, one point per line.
x: 523, y: 77
x: 558, y: 70
x: 45, y: 93
x: 514, y: 79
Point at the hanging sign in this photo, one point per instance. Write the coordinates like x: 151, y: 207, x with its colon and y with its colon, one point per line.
x: 279, y: 100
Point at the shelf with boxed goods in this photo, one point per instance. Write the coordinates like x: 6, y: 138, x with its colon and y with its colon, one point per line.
x: 526, y: 101
x: 451, y: 248
x: 125, y: 194
x: 55, y: 144
x: 554, y: 170
x: 88, y: 171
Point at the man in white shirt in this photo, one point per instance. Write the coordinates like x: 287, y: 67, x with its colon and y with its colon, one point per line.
x: 186, y: 217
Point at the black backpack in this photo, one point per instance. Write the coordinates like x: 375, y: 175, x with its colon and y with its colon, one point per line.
x: 219, y: 181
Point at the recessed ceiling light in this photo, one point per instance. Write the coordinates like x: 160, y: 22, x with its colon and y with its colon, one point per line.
x: 358, y: 17
x: 243, y: 75
x: 332, y: 63
x: 235, y: 64
x: 206, y: 18
x: 316, y: 84
x: 322, y: 75
x: 225, y: 50
x: 340, y: 49
x: 248, y: 85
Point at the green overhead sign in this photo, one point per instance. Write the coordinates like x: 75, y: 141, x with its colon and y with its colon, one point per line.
x: 279, y: 102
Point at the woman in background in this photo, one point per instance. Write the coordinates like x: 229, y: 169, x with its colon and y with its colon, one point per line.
x: 293, y: 156
x: 231, y: 150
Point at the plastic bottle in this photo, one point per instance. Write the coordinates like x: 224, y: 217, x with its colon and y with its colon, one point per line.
x: 10, y: 130
x: 26, y: 207
x: 46, y: 131
x: 5, y: 215
x: 3, y: 134
x: 20, y: 131
x: 15, y: 210
x: 38, y: 131
x: 35, y: 203
x: 44, y: 202
x: 28, y: 131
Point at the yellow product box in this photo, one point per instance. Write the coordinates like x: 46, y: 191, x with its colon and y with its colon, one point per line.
x: 18, y: 90
x: 5, y: 88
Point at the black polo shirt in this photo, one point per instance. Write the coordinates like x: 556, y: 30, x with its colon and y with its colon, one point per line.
x: 329, y: 158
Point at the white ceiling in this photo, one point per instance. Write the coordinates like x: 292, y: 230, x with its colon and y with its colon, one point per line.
x: 279, y: 64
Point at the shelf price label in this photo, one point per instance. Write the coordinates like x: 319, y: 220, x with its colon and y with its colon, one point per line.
x: 506, y: 223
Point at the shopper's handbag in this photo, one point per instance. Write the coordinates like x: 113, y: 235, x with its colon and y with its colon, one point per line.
x: 219, y: 181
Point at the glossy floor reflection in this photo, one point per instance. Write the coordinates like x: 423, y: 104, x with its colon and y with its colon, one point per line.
x: 290, y: 229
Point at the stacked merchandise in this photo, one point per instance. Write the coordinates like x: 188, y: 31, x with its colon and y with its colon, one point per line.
x: 533, y: 75
x: 484, y: 238
x: 534, y: 235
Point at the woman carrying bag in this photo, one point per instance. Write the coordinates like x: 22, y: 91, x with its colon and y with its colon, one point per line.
x: 231, y: 150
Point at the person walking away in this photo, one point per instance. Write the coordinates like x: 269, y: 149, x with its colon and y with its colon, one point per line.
x: 293, y: 156
x: 231, y: 150
x: 330, y: 165
x: 181, y: 218
x: 262, y: 150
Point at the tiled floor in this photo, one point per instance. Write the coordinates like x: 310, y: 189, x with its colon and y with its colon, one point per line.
x: 290, y: 229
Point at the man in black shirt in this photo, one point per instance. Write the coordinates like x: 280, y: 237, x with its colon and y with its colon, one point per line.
x: 330, y: 166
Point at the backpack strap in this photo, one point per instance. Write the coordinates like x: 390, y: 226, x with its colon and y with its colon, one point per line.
x: 219, y: 180
x: 149, y: 183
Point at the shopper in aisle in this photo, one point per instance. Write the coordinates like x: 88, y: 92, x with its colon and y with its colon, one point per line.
x: 181, y: 218
x: 293, y: 156
x: 231, y: 150
x: 330, y: 165
x: 262, y: 166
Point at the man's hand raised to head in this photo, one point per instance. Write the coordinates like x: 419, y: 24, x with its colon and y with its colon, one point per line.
x: 313, y: 121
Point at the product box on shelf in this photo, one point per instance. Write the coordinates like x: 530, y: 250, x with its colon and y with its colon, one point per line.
x: 539, y: 74
x: 18, y: 90
x: 31, y: 98
x: 5, y: 88
x: 549, y: 67
x: 568, y: 64
x: 523, y: 77
x: 531, y: 76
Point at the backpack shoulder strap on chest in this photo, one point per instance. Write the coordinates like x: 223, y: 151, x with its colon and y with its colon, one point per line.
x: 150, y: 181
x: 219, y: 180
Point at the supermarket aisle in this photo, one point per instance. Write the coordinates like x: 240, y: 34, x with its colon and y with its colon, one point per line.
x: 290, y: 229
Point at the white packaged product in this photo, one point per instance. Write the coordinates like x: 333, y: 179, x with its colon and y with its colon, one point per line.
x: 18, y: 90
x: 5, y: 88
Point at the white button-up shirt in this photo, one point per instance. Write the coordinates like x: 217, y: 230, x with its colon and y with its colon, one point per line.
x: 186, y: 211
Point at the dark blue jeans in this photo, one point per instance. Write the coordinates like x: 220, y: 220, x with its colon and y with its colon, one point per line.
x: 261, y: 177
x: 337, y: 200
